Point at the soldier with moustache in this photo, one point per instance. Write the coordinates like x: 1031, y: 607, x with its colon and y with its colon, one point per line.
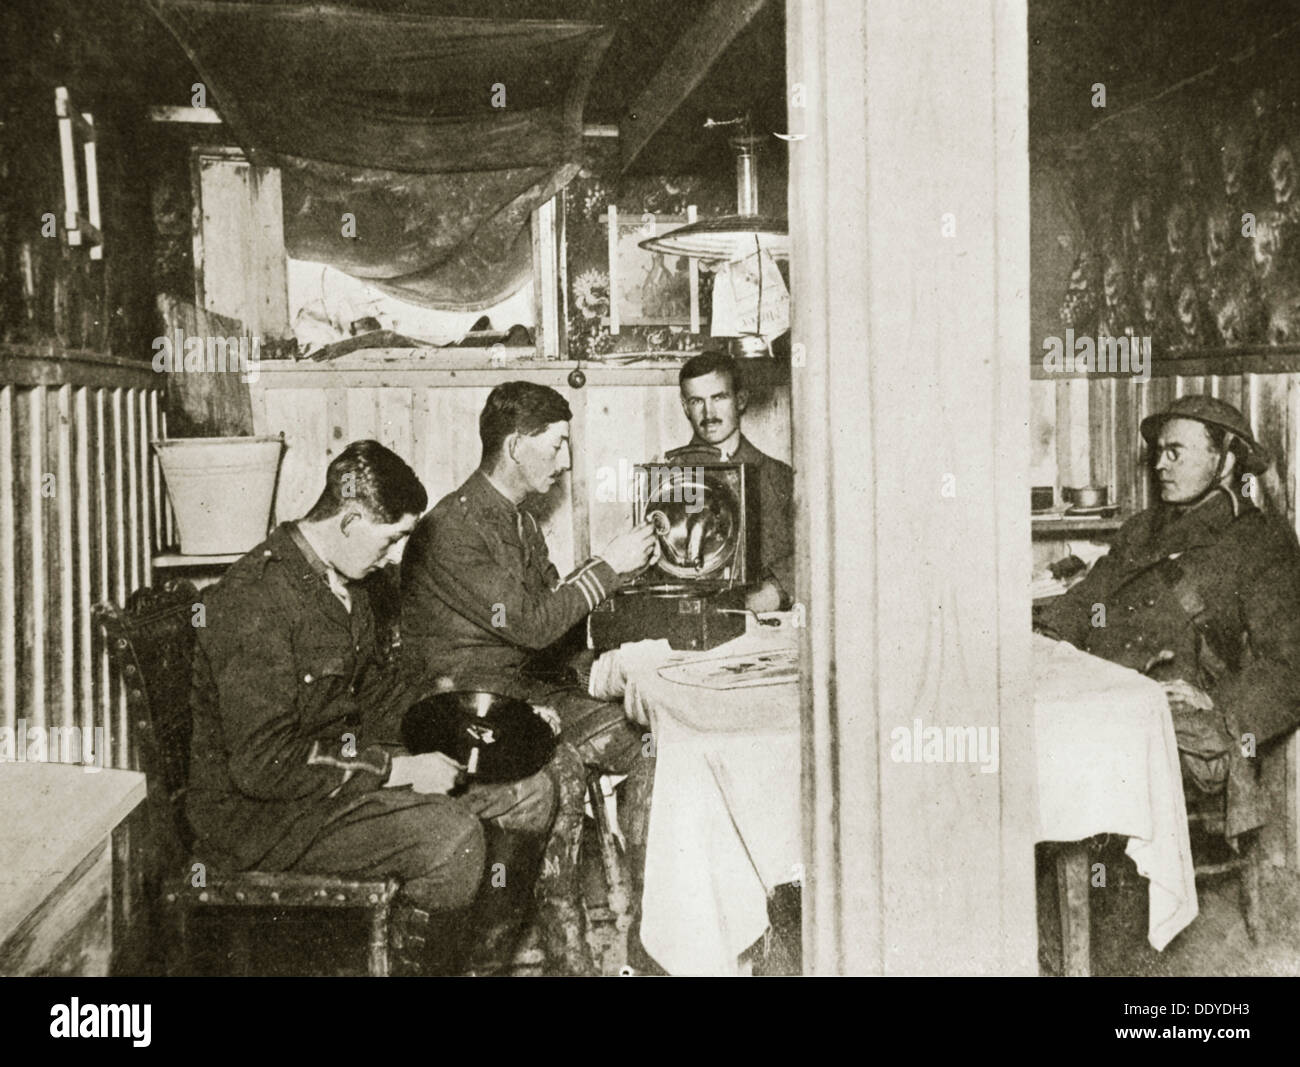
x: 714, y: 400
x: 483, y: 607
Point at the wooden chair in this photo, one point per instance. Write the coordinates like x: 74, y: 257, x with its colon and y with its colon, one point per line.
x: 1210, y: 819
x: 151, y: 644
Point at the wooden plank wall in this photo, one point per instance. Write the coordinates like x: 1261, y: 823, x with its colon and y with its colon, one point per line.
x: 429, y: 416
x: 80, y: 507
x: 1085, y: 430
x: 239, y: 242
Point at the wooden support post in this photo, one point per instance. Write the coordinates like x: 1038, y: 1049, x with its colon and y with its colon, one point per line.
x: 910, y: 454
x: 1072, y: 896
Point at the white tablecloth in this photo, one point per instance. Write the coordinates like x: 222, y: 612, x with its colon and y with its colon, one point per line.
x: 1108, y: 763
x: 725, y: 825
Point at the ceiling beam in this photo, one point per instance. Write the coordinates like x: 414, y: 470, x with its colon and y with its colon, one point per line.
x: 683, y: 69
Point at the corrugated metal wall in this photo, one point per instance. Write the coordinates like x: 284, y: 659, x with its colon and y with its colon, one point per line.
x: 81, y: 504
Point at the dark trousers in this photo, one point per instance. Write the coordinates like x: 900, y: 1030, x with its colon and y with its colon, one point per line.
x: 434, y: 845
x: 607, y: 741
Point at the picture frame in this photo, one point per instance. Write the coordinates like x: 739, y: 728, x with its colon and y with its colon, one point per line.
x: 649, y: 288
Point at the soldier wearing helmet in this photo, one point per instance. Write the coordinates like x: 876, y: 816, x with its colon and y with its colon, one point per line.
x: 1202, y: 592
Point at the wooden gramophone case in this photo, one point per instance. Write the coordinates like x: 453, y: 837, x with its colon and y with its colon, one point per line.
x: 707, y: 521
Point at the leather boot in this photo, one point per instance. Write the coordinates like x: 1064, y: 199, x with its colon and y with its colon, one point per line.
x: 424, y: 943
x: 504, y: 904
x: 561, y: 914
x: 563, y: 925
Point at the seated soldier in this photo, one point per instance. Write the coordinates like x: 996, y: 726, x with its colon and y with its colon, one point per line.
x: 714, y: 400
x: 483, y: 605
x: 295, y: 763
x: 1201, y: 592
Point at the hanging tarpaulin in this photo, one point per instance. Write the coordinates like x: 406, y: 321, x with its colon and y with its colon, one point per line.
x: 413, y: 147
x: 456, y: 242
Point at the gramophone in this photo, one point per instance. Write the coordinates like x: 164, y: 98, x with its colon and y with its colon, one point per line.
x: 706, y: 522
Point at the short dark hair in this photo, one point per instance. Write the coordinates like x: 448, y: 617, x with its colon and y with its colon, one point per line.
x: 375, y: 477
x: 519, y: 407
x: 711, y: 363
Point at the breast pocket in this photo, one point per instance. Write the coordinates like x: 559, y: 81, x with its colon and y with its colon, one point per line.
x: 324, y: 681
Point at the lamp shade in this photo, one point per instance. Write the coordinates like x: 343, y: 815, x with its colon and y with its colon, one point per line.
x: 726, y: 237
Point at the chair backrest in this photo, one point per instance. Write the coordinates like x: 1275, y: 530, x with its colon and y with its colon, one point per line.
x: 151, y: 643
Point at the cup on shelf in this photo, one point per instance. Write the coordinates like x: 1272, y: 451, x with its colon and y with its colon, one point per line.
x: 1087, y: 496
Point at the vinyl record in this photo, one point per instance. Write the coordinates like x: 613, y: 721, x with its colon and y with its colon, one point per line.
x: 511, y: 740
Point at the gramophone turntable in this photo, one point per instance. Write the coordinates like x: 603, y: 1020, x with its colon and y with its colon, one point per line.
x: 706, y: 521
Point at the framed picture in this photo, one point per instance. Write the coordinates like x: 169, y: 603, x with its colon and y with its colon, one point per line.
x: 649, y: 288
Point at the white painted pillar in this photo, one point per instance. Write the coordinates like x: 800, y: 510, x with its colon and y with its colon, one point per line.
x: 913, y: 379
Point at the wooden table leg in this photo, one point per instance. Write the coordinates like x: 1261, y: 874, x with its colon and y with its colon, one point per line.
x: 1072, y: 884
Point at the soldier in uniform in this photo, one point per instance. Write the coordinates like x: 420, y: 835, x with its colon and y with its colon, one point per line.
x: 714, y: 400
x: 295, y: 763
x: 1202, y: 592
x: 484, y: 606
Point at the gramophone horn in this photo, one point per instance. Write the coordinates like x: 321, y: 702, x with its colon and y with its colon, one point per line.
x: 697, y: 522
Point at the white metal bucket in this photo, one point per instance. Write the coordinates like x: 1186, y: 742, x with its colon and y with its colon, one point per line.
x: 221, y: 489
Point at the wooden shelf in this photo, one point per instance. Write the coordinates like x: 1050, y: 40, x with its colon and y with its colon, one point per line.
x: 179, y: 559
x: 49, y: 364
x: 1045, y: 529
x: 411, y: 367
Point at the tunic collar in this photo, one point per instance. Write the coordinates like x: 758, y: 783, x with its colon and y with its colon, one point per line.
x: 1200, y: 524
x: 480, y: 490
x: 319, y: 572
x: 744, y: 452
x: 318, y: 566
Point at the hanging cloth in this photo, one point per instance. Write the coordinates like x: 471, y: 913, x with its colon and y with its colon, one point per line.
x: 412, y: 147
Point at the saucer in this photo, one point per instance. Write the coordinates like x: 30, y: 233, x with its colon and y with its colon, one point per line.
x: 1101, y: 511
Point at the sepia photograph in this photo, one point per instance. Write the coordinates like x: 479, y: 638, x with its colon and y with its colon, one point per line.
x: 651, y: 488
x: 647, y: 288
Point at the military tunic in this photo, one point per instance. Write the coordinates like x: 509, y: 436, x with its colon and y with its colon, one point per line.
x: 480, y: 595
x: 1209, y: 594
x: 775, y: 502
x: 481, y: 603
x: 295, y: 723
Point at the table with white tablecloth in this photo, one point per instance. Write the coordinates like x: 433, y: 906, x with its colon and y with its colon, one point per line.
x: 725, y: 824
x: 1108, y: 763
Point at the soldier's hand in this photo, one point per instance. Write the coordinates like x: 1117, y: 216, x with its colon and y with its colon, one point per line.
x: 632, y: 550
x: 549, y: 716
x: 431, y: 772
x: 1182, y: 692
